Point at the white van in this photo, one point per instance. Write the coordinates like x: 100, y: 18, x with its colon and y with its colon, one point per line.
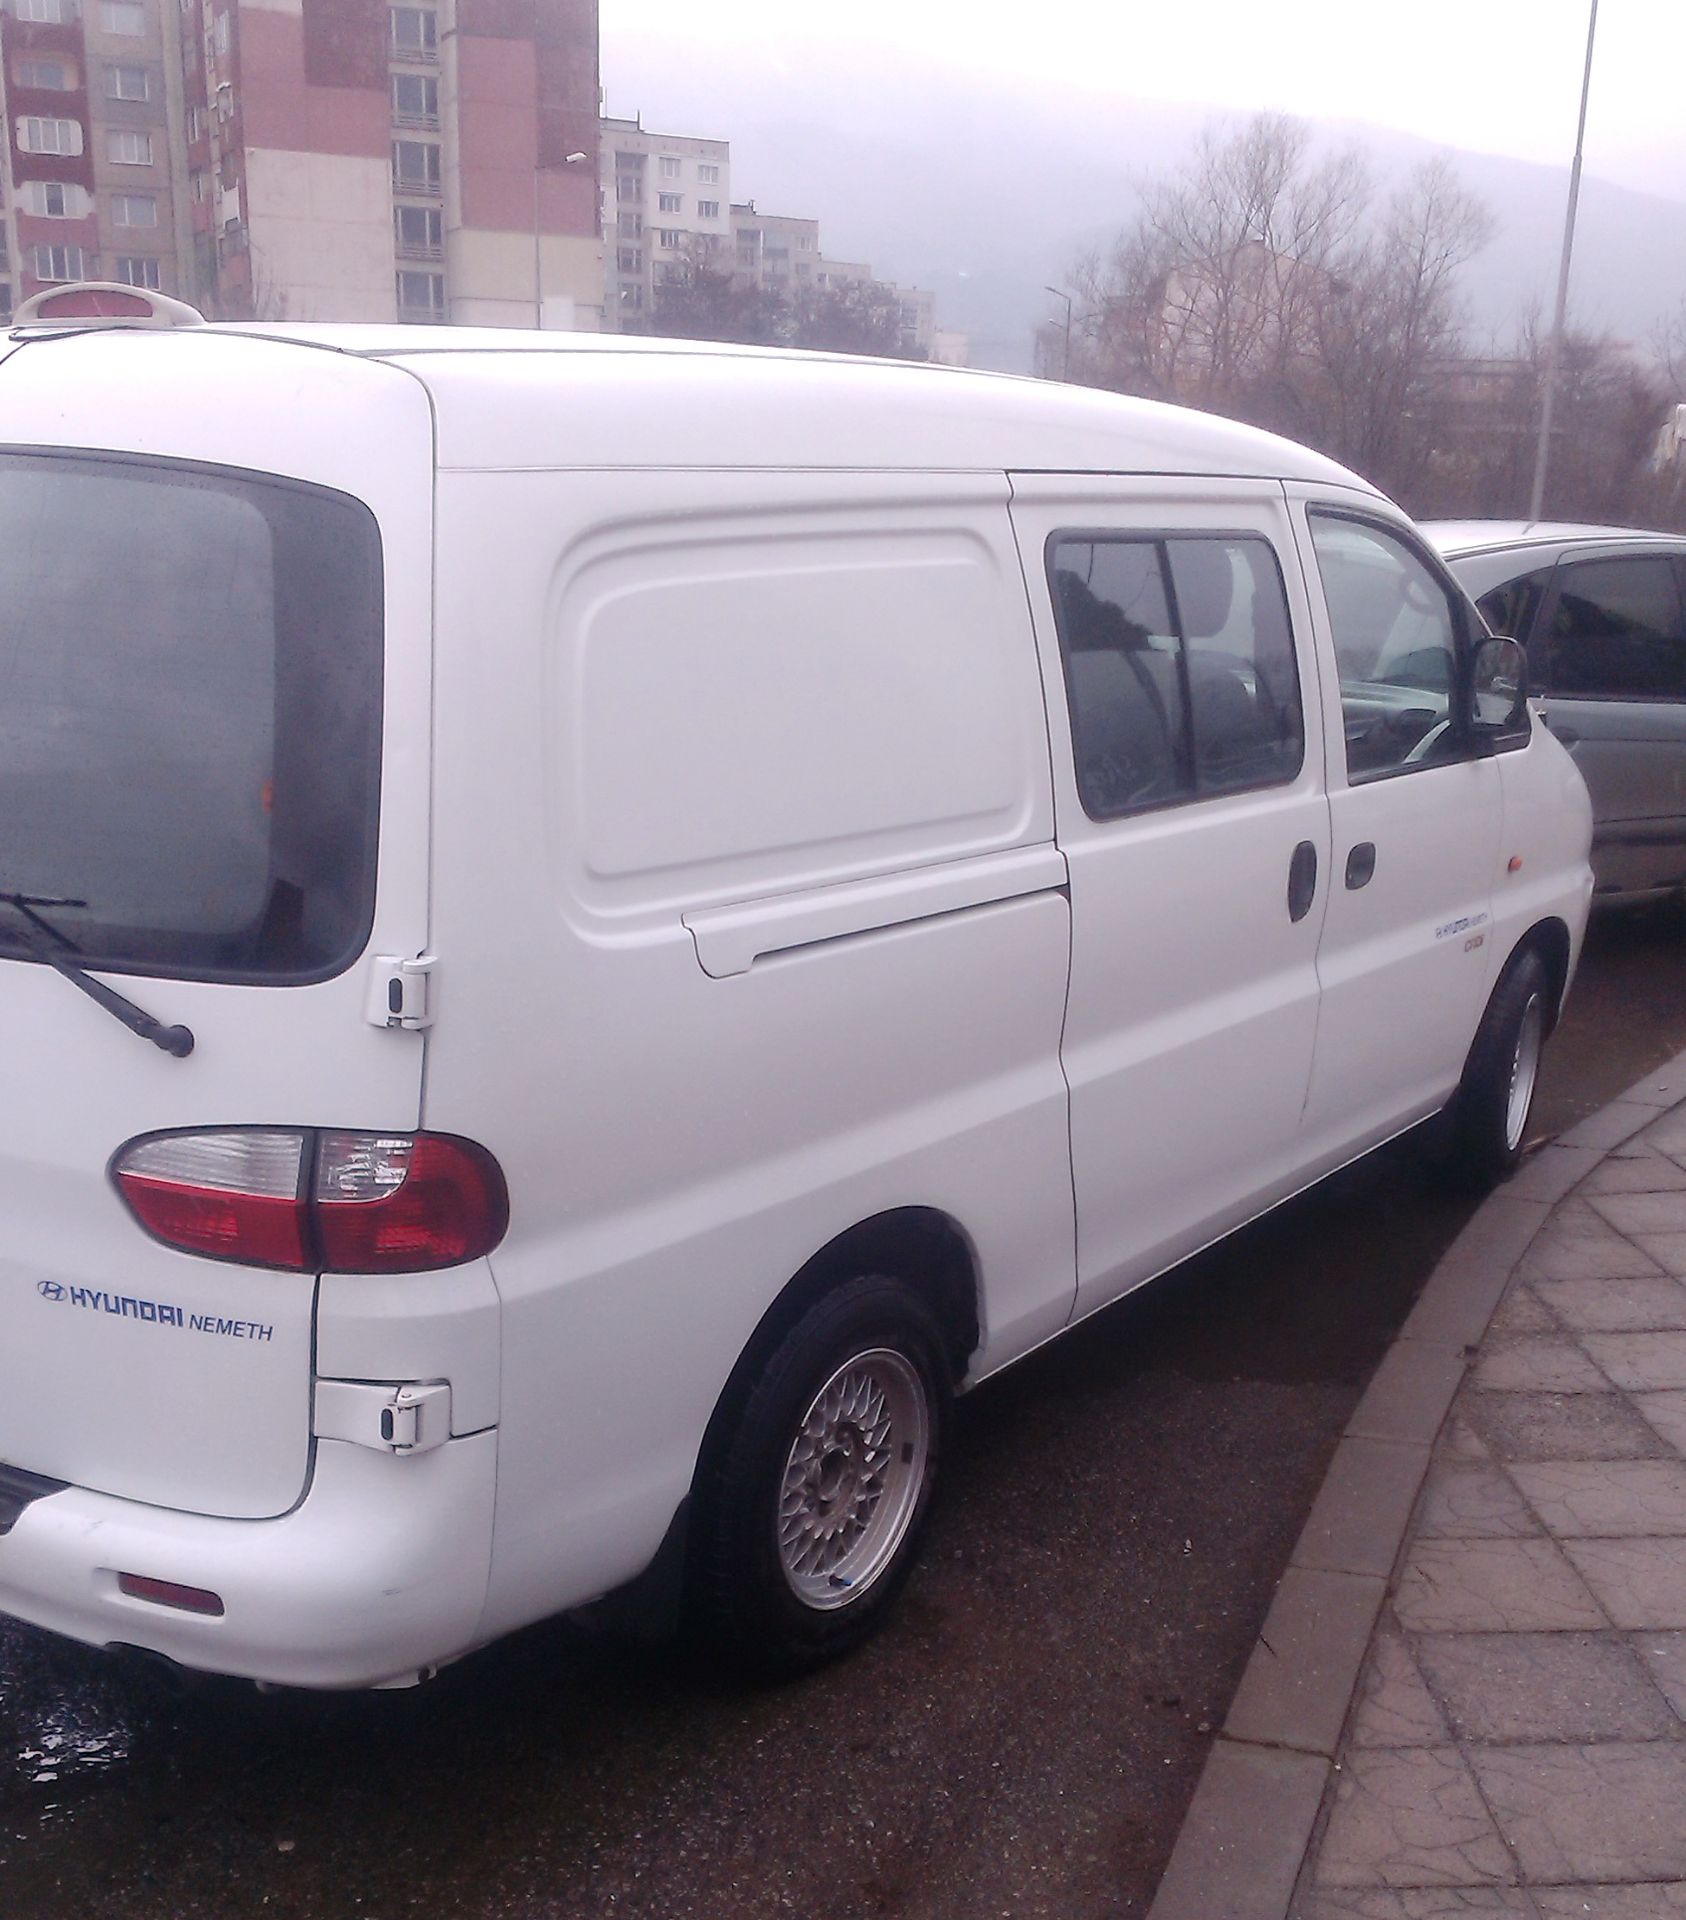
x: 678, y: 905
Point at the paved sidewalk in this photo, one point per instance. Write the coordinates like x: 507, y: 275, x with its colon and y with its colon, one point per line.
x: 1507, y: 1580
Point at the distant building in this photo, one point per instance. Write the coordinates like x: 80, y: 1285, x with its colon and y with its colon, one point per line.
x: 780, y: 253
x: 666, y: 203
x: 774, y: 251
x: 312, y: 159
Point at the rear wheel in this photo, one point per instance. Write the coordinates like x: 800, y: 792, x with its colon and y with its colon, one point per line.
x: 810, y: 1508
x: 1490, y: 1113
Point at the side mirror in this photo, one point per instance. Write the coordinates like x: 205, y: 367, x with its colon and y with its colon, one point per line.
x: 1501, y: 691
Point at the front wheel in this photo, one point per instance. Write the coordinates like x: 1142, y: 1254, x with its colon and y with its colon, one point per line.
x: 1491, y: 1109
x: 810, y: 1507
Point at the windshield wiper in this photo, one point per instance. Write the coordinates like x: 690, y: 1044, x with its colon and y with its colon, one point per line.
x: 48, y: 944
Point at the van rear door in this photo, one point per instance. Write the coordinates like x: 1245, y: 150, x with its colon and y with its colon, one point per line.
x: 214, y: 672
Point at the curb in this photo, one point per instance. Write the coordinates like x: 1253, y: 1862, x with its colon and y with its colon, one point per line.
x: 1244, y: 1839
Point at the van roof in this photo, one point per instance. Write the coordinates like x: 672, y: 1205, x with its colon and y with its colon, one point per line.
x: 507, y: 399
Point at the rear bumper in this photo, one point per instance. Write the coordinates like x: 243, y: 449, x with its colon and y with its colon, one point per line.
x: 378, y: 1573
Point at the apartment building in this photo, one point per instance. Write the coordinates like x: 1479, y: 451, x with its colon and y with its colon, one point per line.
x: 90, y: 174
x: 311, y: 159
x: 778, y: 252
x: 669, y: 205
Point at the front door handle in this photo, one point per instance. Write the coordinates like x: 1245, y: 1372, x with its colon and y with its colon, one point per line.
x: 1302, y: 880
x: 1361, y: 864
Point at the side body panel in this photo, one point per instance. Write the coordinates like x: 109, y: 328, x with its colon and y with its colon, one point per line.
x: 674, y: 1011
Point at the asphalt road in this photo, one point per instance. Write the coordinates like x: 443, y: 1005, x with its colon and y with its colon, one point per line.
x: 1022, y: 1742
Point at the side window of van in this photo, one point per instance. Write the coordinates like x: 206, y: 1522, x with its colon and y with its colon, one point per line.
x: 1397, y: 635
x: 1179, y: 667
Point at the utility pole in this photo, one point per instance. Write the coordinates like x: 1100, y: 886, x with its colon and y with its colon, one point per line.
x: 1065, y: 357
x: 1554, y: 347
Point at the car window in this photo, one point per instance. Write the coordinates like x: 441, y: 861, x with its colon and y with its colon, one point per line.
x: 1180, y: 668
x: 1617, y: 632
x: 1509, y: 608
x: 1397, y: 641
x: 190, y: 704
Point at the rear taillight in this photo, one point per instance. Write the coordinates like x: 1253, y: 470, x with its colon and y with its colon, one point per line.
x: 316, y: 1201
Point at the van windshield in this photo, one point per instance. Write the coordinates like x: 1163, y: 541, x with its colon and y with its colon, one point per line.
x: 190, y: 696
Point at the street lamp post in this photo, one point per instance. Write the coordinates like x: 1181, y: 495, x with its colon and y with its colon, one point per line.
x: 1065, y: 356
x: 1554, y: 347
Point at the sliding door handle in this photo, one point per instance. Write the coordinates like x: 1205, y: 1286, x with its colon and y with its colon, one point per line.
x: 1302, y: 880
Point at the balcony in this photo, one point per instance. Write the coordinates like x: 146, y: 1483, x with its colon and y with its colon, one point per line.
x: 412, y: 56
x: 419, y: 249
x: 426, y: 122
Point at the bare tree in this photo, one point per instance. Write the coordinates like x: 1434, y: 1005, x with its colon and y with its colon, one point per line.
x: 1210, y: 295
x: 1392, y: 328
x: 1265, y: 283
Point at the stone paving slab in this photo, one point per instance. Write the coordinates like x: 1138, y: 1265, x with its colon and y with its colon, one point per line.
x: 1492, y: 1586
x: 1514, y: 1687
x: 1515, y: 1735
x: 1641, y: 1584
x: 1610, y: 1811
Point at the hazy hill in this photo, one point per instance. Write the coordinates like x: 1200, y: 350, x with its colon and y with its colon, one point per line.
x: 984, y: 197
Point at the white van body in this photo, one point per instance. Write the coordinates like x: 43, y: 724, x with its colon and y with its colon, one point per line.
x: 734, y: 889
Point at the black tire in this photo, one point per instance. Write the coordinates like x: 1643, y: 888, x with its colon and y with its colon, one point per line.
x: 748, y: 1601
x: 1489, y: 1126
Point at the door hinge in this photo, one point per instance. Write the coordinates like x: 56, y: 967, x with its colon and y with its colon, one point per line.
x: 400, y: 991
x: 392, y: 1416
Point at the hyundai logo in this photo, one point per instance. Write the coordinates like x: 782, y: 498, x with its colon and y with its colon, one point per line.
x: 50, y: 1289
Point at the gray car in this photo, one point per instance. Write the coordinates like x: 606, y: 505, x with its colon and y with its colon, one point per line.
x: 1601, y: 612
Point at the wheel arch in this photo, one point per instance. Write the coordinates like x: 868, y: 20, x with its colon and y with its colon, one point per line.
x: 1549, y: 938
x: 924, y: 1247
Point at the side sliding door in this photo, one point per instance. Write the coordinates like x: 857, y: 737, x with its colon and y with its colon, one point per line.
x: 1189, y: 802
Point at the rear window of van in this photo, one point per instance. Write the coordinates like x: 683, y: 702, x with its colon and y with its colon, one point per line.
x: 190, y: 698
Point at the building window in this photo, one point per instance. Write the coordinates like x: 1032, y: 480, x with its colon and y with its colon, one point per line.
x: 421, y: 296
x: 669, y: 237
x: 415, y: 166
x: 629, y: 186
x: 5, y: 301
x: 199, y: 187
x: 415, y: 33
x: 419, y: 232
x: 632, y: 297
x: 806, y: 243
x: 61, y: 263
x: 134, y: 210
x: 45, y: 13
x: 128, y: 149
x: 51, y: 74
x: 630, y: 259
x: 670, y: 202
x: 127, y: 17
x: 195, y: 124
x: 708, y: 174
x: 220, y: 33
x: 415, y: 99
x: 708, y: 209
x: 53, y: 199
x: 127, y: 83
x: 670, y: 167
x: 139, y: 270
x: 50, y: 136
x: 630, y: 226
